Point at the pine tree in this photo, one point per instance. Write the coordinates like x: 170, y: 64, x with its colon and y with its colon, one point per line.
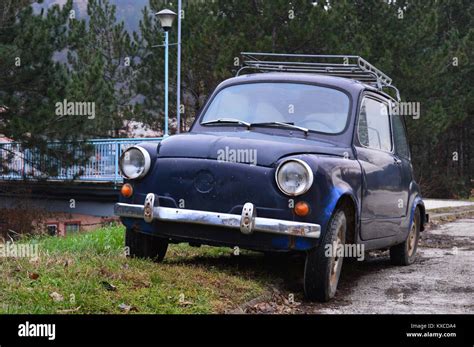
x: 31, y: 81
x: 102, y: 60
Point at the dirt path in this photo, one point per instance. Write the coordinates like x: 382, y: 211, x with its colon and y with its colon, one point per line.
x: 441, y: 280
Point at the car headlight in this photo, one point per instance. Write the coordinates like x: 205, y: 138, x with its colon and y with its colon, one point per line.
x: 294, y: 177
x: 135, y: 163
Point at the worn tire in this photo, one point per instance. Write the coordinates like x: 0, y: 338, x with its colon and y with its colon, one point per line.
x: 145, y: 246
x: 321, y: 273
x: 405, y: 253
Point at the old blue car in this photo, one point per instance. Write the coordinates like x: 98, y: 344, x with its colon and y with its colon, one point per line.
x: 298, y: 153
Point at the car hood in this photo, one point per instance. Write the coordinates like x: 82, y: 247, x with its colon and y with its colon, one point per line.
x: 246, y: 146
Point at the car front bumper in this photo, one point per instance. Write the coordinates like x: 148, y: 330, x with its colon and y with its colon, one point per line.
x: 248, y: 223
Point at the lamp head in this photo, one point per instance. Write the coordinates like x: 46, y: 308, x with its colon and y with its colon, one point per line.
x: 166, y: 18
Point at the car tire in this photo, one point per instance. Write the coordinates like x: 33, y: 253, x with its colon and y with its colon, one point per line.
x: 145, y: 246
x: 405, y: 253
x: 322, y: 272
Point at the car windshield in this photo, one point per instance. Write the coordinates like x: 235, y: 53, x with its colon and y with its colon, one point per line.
x: 311, y: 107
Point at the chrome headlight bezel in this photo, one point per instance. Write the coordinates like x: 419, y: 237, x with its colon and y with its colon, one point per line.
x: 308, y: 170
x: 146, y: 159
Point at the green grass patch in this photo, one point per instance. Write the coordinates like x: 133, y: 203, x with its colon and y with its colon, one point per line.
x: 90, y: 274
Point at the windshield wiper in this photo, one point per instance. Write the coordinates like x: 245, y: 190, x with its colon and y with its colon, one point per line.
x: 229, y: 121
x: 280, y: 124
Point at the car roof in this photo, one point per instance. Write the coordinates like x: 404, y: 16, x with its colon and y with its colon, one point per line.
x: 352, y: 86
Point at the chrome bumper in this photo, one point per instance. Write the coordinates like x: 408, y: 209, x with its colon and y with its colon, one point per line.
x: 247, y: 223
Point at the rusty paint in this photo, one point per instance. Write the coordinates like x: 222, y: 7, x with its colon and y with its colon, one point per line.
x: 292, y: 242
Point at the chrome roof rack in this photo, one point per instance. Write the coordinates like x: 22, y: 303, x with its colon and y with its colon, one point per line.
x: 346, y: 66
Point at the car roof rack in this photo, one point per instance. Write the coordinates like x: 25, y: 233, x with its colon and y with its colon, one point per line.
x: 346, y: 66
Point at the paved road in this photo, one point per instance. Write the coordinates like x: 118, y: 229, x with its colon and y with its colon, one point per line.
x: 432, y: 204
x: 440, y: 282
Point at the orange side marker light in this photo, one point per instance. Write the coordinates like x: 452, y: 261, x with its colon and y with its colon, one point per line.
x: 127, y: 190
x: 302, y: 209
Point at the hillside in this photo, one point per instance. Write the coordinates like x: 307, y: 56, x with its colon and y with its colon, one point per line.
x: 128, y: 11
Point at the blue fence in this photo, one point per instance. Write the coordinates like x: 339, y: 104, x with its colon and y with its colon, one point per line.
x: 101, y: 165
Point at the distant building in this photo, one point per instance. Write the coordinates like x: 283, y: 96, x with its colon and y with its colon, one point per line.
x: 64, y: 224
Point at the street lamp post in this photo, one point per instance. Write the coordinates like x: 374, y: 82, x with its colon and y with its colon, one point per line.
x: 166, y: 18
x: 178, y: 72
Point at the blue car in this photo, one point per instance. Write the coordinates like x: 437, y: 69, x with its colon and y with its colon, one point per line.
x: 295, y: 154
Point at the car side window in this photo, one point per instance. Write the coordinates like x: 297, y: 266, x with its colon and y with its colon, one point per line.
x: 374, y: 125
x: 400, y: 137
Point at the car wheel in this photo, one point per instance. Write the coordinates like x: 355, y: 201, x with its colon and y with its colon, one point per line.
x: 322, y: 272
x: 145, y: 246
x: 405, y: 253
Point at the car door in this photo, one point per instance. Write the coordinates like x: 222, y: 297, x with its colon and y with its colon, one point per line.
x: 402, y: 154
x: 382, y: 188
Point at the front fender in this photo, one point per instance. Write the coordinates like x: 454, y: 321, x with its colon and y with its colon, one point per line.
x: 334, y: 178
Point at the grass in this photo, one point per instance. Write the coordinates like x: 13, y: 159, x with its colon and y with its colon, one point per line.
x: 92, y: 276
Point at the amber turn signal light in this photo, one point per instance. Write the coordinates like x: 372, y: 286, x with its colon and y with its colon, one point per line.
x: 127, y: 190
x: 302, y: 209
